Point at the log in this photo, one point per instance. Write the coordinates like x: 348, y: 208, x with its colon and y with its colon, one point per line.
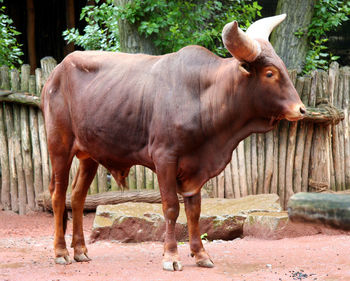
x: 22, y: 193
x: 10, y: 142
x: 221, y: 185
x: 27, y: 157
x: 346, y: 73
x: 140, y: 179
x: 19, y: 97
x: 248, y: 164
x: 235, y: 175
x: 254, y: 163
x: 37, y: 162
x: 43, y: 151
x: 4, y: 164
x: 269, y: 161
x: 274, y: 181
x: 261, y: 162
x: 106, y: 198
x: 102, y: 179
x: 149, y: 178
x: 242, y: 169
x: 282, y: 158
x: 229, y: 188
x: 333, y: 91
x: 321, y: 208
x: 324, y: 114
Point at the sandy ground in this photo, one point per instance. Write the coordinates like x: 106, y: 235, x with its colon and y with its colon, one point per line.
x: 26, y: 253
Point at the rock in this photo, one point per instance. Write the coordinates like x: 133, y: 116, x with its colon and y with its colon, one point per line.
x: 265, y: 225
x: 138, y: 222
x: 321, y: 208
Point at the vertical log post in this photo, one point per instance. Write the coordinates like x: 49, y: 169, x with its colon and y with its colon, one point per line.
x: 25, y: 137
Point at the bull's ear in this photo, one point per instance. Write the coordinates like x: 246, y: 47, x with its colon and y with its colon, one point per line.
x: 244, y: 67
x: 239, y: 44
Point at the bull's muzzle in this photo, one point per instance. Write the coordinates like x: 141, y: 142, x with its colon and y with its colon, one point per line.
x: 296, y: 112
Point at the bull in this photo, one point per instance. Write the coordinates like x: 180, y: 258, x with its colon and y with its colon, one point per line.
x: 180, y: 114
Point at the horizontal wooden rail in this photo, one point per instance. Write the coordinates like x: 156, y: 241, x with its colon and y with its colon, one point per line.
x: 19, y: 97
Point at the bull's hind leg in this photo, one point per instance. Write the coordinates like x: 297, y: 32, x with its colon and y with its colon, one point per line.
x: 193, y: 209
x: 85, y: 175
x: 58, y: 188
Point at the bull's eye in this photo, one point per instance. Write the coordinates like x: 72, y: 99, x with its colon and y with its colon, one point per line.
x: 269, y: 74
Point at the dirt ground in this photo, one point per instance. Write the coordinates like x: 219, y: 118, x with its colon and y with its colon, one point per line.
x: 26, y: 253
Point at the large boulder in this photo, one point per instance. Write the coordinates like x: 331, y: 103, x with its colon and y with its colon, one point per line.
x: 327, y: 209
x: 138, y: 222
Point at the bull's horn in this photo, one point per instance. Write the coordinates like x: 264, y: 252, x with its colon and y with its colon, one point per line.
x: 263, y: 27
x: 239, y: 44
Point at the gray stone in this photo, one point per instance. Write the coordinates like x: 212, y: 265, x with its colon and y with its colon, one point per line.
x: 138, y: 222
x: 327, y: 209
x: 265, y: 225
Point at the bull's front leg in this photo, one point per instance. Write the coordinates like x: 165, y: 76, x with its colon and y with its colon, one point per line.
x: 193, y: 209
x: 167, y: 185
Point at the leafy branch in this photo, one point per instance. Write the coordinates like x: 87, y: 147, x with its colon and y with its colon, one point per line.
x: 328, y: 16
x: 10, y: 49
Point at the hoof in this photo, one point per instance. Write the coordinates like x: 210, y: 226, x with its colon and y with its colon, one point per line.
x: 205, y: 263
x: 63, y: 260
x: 172, y: 266
x: 81, y: 258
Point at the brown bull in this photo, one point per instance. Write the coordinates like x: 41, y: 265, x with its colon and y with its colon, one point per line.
x: 180, y: 114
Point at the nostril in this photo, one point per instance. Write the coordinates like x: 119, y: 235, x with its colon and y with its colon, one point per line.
x: 302, y: 110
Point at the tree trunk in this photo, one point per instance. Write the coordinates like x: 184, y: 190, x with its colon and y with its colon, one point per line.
x: 70, y: 19
x: 31, y: 35
x: 289, y: 47
x: 131, y: 41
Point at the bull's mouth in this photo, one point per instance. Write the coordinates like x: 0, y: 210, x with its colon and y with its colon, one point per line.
x: 294, y: 119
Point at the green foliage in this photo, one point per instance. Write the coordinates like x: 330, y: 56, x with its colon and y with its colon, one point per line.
x: 175, y: 24
x: 328, y: 16
x: 101, y: 31
x: 10, y: 50
x: 204, y: 236
x: 172, y: 24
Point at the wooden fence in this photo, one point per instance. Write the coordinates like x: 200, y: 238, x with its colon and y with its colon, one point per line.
x: 297, y: 156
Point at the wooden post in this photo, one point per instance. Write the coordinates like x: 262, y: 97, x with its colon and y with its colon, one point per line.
x: 25, y: 141
x: 132, y: 178
x: 149, y: 178
x: 346, y: 74
x: 248, y: 164
x: 228, y: 181
x: 221, y: 185
x: 292, y: 135
x: 261, y: 162
x: 274, y: 181
x: 268, y: 161
x: 11, y: 148
x: 140, y: 173
x: 4, y: 164
x: 283, y: 142
x: 242, y: 169
x: 254, y: 164
x: 22, y: 193
x: 102, y: 179
x: 235, y: 174
x: 300, y: 145
x: 333, y: 90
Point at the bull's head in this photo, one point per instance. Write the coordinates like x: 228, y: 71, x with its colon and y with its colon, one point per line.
x: 262, y: 70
